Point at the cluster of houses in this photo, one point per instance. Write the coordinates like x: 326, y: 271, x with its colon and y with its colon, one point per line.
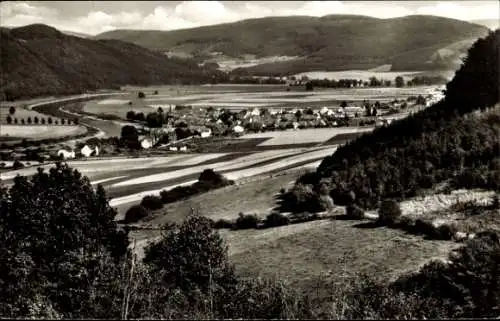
x: 46, y: 152
x: 287, y: 118
x: 85, y: 151
x: 219, y: 121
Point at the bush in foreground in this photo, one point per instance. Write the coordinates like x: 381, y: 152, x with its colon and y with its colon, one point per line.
x: 303, y: 217
x: 222, y: 223
x: 191, y: 256
x: 17, y: 164
x: 423, y: 227
x: 495, y: 202
x: 276, y: 219
x: 354, y: 212
x: 246, y: 221
x: 152, y: 202
x: 189, y: 276
x: 214, y: 178
x: 73, y: 241
x: 207, y: 181
x: 389, y: 212
x: 301, y: 198
x: 135, y: 214
x: 468, y: 285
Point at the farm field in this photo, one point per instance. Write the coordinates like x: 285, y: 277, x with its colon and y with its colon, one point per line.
x: 238, y: 97
x: 227, y: 63
x: 39, y: 132
x: 131, y: 191
x: 128, y: 180
x: 358, y: 74
x: 303, y: 136
x: 383, y: 72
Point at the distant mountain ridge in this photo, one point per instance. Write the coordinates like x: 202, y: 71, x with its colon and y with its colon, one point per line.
x: 334, y: 42
x: 76, y: 34
x: 40, y: 60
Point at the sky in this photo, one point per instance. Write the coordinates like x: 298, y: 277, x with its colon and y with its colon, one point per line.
x: 94, y: 17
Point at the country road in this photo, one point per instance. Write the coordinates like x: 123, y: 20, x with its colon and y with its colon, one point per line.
x: 95, y: 127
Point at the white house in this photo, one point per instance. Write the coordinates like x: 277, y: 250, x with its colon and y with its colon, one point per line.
x: 87, y: 151
x: 183, y: 149
x: 353, y: 109
x: 66, y: 154
x: 206, y: 133
x: 173, y: 148
x: 238, y: 129
x: 255, y: 112
x: 146, y: 143
x: 324, y: 110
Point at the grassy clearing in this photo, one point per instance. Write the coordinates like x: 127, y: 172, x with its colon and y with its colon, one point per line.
x: 317, y: 257
x: 312, y: 251
x: 256, y: 197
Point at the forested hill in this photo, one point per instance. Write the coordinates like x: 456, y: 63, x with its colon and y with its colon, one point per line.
x: 40, y: 60
x: 446, y: 142
x: 333, y: 42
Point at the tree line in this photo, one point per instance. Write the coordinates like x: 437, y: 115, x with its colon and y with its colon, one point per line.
x: 11, y: 119
x: 42, y: 121
x: 375, y: 82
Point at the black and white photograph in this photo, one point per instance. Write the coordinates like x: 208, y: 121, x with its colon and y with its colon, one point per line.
x: 242, y: 160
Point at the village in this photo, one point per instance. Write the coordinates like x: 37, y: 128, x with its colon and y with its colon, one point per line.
x: 169, y: 128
